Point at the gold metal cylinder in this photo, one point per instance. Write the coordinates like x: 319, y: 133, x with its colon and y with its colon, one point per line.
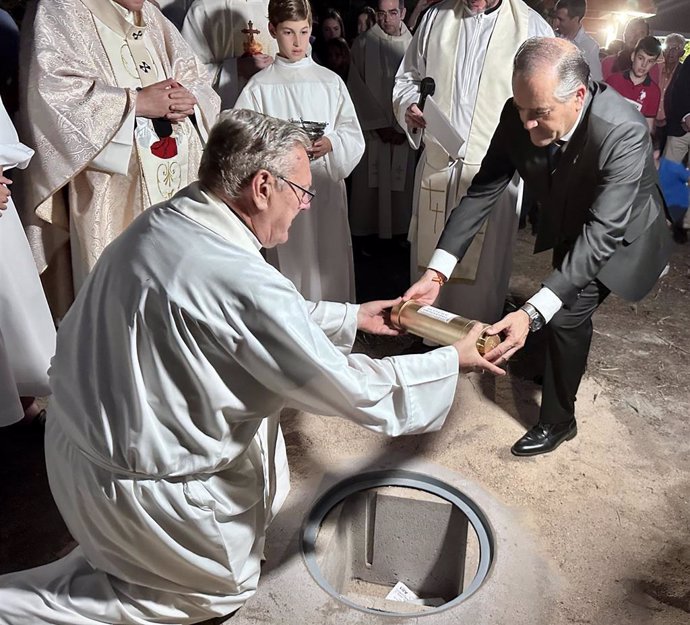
x: 438, y: 325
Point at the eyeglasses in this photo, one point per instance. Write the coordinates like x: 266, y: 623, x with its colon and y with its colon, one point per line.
x: 306, y: 195
x: 392, y: 13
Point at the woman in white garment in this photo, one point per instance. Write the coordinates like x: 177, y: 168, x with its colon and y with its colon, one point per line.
x: 318, y: 255
x: 27, y: 334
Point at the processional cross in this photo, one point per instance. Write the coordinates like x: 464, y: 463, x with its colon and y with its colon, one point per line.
x: 251, y: 46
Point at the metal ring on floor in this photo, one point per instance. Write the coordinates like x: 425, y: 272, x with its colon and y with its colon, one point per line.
x: 406, y: 479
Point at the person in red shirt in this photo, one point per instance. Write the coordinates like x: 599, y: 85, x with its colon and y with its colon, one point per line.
x: 635, y: 84
x: 635, y: 30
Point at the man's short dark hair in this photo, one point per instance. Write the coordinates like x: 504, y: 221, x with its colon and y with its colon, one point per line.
x: 575, y: 8
x: 648, y: 45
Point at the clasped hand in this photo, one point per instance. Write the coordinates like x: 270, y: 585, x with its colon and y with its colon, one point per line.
x: 168, y: 99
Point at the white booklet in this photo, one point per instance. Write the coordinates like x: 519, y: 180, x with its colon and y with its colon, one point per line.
x: 439, y: 127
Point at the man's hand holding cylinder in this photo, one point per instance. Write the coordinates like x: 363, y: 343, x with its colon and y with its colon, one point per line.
x: 469, y: 357
x: 427, y: 288
x: 515, y: 328
x: 375, y: 318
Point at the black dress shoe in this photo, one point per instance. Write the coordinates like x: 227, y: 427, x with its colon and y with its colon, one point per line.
x: 544, y: 437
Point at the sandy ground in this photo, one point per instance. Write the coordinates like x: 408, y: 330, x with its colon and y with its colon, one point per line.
x: 610, y: 510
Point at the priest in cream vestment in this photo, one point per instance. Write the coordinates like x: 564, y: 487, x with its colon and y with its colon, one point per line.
x: 168, y: 463
x: 116, y: 106
x: 467, y: 47
x: 382, y: 183
x: 231, y: 39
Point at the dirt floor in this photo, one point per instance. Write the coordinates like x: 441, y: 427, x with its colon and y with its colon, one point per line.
x: 610, y: 510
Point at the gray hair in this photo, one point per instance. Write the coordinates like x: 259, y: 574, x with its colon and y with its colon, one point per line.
x: 675, y: 37
x: 540, y: 55
x: 243, y: 142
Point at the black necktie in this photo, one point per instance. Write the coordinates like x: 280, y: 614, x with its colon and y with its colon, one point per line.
x: 555, y: 152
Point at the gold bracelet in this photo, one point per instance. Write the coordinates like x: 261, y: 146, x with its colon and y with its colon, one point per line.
x: 440, y: 278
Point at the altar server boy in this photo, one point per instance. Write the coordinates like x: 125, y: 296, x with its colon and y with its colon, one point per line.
x: 318, y: 256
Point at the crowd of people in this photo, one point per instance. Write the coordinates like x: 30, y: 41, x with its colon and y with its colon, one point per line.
x: 189, y: 190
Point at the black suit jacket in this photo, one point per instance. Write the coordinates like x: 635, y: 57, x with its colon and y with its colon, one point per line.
x: 677, y: 100
x: 601, y: 210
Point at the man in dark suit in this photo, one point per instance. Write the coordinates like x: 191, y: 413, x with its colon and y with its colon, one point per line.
x: 586, y: 155
x: 677, y: 107
x: 677, y: 104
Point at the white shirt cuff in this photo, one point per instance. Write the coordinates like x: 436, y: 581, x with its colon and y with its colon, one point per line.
x: 546, y: 302
x: 444, y: 262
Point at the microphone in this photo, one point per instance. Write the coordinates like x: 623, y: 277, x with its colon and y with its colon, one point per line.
x: 426, y: 88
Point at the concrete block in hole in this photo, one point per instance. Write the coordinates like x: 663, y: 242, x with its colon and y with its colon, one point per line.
x: 411, y: 537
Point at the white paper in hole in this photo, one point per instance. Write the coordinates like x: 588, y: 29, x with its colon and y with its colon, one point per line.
x: 439, y: 127
x: 400, y: 592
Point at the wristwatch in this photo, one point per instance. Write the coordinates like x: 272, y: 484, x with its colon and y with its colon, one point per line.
x: 536, y: 320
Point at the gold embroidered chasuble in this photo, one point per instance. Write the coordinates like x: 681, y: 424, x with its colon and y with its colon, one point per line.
x: 76, y: 98
x: 124, y: 40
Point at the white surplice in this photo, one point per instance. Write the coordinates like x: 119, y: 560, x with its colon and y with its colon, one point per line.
x: 383, y: 182
x: 213, y: 28
x: 318, y: 255
x: 480, y: 295
x: 168, y: 463
x: 27, y: 334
